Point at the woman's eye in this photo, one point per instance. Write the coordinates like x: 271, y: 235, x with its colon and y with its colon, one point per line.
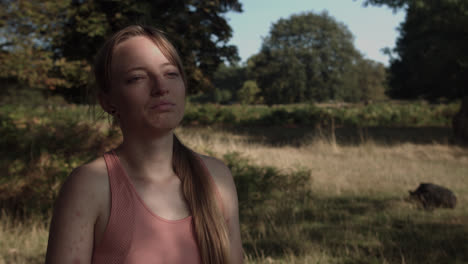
x: 135, y: 79
x: 172, y: 74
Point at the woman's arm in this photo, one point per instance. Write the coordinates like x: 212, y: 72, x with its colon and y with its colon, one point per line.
x: 225, y: 183
x: 76, y: 210
x: 232, y: 209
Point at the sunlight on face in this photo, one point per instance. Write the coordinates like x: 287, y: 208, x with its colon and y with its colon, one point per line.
x: 147, y: 90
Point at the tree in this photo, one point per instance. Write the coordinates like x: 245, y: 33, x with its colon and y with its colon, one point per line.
x: 395, y: 4
x: 64, y: 35
x: 248, y: 93
x: 304, y: 58
x: 197, y: 29
x: 365, y: 82
x: 27, y: 29
x: 280, y: 76
x: 431, y: 59
x: 230, y: 78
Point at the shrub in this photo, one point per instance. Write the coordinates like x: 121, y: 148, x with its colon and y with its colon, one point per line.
x: 38, y: 149
x: 248, y: 93
x: 270, y: 202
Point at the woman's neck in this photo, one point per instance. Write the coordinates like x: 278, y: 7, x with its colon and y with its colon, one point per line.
x: 147, y: 159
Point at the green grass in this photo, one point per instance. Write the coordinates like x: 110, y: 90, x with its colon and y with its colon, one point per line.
x: 281, y: 218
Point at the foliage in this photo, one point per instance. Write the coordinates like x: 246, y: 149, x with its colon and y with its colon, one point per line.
x: 51, y: 44
x: 303, y: 58
x: 248, y: 93
x: 391, y: 3
x: 269, y: 198
x: 197, y: 29
x: 414, y: 114
x: 27, y: 30
x: 431, y: 57
x: 230, y: 77
x: 365, y: 82
x: 39, y: 147
x: 216, y: 96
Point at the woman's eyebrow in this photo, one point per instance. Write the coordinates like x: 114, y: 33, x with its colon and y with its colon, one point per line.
x: 135, y: 69
x: 165, y: 64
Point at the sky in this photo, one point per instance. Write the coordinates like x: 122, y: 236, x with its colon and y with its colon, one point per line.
x: 373, y: 27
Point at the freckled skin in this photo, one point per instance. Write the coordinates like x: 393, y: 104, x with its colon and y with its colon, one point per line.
x: 72, y: 227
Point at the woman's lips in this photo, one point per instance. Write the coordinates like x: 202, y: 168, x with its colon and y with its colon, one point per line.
x: 163, y: 106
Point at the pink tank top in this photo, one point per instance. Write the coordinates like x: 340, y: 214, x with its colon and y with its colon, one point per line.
x: 136, y: 235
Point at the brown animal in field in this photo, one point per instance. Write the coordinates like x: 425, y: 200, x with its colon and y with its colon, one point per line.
x: 433, y: 196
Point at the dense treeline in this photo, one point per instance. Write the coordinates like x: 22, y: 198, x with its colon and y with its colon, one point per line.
x: 306, y: 57
x: 49, y: 45
x: 430, y: 59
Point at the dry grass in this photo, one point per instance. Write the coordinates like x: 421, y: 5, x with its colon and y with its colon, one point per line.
x: 22, y: 241
x: 370, y: 170
x: 360, y: 211
x: 290, y: 258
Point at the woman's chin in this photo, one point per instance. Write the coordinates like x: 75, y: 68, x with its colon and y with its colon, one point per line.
x: 152, y: 127
x: 163, y: 126
x: 164, y: 121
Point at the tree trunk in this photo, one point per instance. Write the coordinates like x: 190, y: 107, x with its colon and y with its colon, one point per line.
x: 460, y: 122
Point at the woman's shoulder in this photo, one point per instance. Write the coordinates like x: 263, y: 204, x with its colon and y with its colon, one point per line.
x: 216, y: 165
x: 87, y: 182
x: 224, y: 181
x: 81, y: 201
x: 93, y: 173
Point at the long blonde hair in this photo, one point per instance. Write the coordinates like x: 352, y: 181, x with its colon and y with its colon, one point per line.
x: 209, y: 224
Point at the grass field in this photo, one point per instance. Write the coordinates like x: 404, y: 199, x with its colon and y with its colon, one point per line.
x: 358, y: 212
x: 351, y: 208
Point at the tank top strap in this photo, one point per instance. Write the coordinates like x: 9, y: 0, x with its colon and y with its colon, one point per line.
x: 118, y: 235
x: 114, y: 170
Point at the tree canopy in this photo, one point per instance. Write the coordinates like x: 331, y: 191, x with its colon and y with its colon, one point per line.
x: 51, y: 44
x: 303, y: 58
x: 365, y: 82
x: 27, y: 30
x: 430, y: 58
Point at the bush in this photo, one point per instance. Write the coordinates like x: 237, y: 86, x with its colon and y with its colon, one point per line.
x: 248, y: 93
x: 379, y: 114
x: 270, y: 202
x: 38, y: 149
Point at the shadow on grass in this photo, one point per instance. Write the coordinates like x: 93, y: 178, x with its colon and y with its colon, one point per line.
x: 280, y: 216
x: 369, y: 230
x: 364, y: 230
x: 296, y: 136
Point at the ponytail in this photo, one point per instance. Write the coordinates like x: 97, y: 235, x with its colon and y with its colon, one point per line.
x: 199, y: 191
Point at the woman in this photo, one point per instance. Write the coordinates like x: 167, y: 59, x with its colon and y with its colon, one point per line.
x: 151, y: 200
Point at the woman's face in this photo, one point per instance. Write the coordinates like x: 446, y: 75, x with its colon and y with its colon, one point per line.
x: 148, y: 92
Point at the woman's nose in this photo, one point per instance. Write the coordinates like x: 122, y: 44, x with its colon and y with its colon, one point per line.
x: 158, y: 87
